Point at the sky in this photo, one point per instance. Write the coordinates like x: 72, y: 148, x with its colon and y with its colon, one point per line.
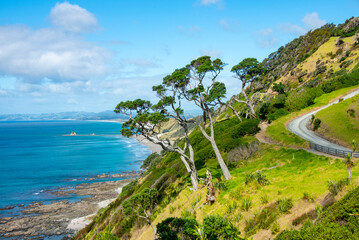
x: 88, y: 55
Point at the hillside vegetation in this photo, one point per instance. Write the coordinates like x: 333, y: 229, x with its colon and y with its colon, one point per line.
x: 215, y: 180
x: 340, y: 122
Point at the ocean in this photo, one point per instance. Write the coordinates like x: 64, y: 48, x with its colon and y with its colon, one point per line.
x: 35, y: 157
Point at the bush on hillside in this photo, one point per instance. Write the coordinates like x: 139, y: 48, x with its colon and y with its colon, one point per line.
x: 177, y: 228
x: 316, y: 124
x: 339, y: 221
x: 218, y: 227
x: 301, y: 98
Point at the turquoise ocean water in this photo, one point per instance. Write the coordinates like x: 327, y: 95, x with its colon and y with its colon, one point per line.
x: 36, y: 157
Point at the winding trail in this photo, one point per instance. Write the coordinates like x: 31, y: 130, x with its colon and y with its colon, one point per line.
x: 299, y: 125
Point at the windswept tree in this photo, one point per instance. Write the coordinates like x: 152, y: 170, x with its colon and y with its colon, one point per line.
x: 217, y: 93
x: 203, y: 73
x: 142, y: 205
x: 147, y: 123
x: 248, y: 71
x: 171, y: 92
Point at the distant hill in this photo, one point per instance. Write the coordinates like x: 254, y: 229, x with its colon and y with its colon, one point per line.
x: 105, y: 115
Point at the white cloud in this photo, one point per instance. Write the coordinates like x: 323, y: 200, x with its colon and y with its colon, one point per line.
x: 72, y: 18
x: 211, y: 53
x: 229, y: 25
x: 72, y: 101
x: 3, y: 92
x: 209, y: 2
x: 49, y: 53
x: 265, y: 38
x: 265, y: 32
x: 312, y: 21
x: 291, y: 28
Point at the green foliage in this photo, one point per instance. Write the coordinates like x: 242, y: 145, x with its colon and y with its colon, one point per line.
x: 248, y: 126
x: 316, y: 124
x: 147, y: 162
x: 307, y: 196
x: 262, y: 220
x: 246, y: 204
x: 217, y: 227
x: 177, y: 228
x: 249, y: 69
x: 302, y: 98
x: 284, y: 205
x: 336, y: 186
x: 257, y: 176
x: 139, y: 203
x: 279, y: 88
x: 277, y: 114
x: 264, y: 199
x: 275, y: 228
x: 341, y: 80
x: 339, y: 221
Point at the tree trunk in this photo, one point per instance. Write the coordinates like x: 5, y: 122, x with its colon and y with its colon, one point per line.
x: 193, y: 173
x: 234, y: 111
x: 221, y: 162
x: 210, y: 195
x: 349, y: 173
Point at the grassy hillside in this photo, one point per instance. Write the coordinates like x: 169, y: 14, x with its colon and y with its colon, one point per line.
x: 340, y: 122
x: 302, y: 179
x: 273, y: 187
x: 278, y: 132
x: 339, y: 221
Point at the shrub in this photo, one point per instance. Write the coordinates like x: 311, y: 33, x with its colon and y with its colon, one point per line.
x: 316, y: 124
x: 277, y: 114
x: 275, y: 228
x: 243, y: 152
x: 249, y: 126
x: 284, y: 205
x: 231, y: 207
x: 302, y: 98
x: 246, y: 204
x: 339, y: 221
x: 257, y: 176
x: 308, y: 197
x: 336, y: 186
x: 177, y: 228
x: 351, y: 112
x: 146, y: 163
x: 264, y: 199
x: 279, y: 88
x: 217, y: 227
x: 261, y: 220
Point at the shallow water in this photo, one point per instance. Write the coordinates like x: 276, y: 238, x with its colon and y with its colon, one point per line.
x: 36, y: 157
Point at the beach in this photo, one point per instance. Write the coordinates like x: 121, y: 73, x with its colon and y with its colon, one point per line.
x: 63, y: 218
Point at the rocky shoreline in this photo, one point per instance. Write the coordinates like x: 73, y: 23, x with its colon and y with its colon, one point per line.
x: 61, y: 219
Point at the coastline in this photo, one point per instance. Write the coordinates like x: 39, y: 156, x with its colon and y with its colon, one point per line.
x: 155, y: 148
x: 62, y: 218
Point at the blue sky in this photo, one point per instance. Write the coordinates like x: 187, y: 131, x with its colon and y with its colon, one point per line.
x: 88, y: 55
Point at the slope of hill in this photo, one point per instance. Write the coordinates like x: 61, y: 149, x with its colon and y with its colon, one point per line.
x: 273, y: 188
x: 340, y: 122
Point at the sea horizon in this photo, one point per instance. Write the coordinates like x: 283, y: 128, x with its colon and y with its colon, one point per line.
x: 38, y: 158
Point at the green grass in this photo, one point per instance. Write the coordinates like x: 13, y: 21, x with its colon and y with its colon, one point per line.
x: 338, y: 124
x: 280, y: 134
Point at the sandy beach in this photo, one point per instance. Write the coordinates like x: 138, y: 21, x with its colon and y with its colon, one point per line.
x: 155, y: 148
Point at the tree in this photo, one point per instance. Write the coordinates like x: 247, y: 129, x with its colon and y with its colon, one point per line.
x: 350, y: 164
x: 171, y: 92
x: 217, y: 93
x: 248, y: 71
x: 202, y: 75
x: 147, y: 123
x: 142, y: 205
